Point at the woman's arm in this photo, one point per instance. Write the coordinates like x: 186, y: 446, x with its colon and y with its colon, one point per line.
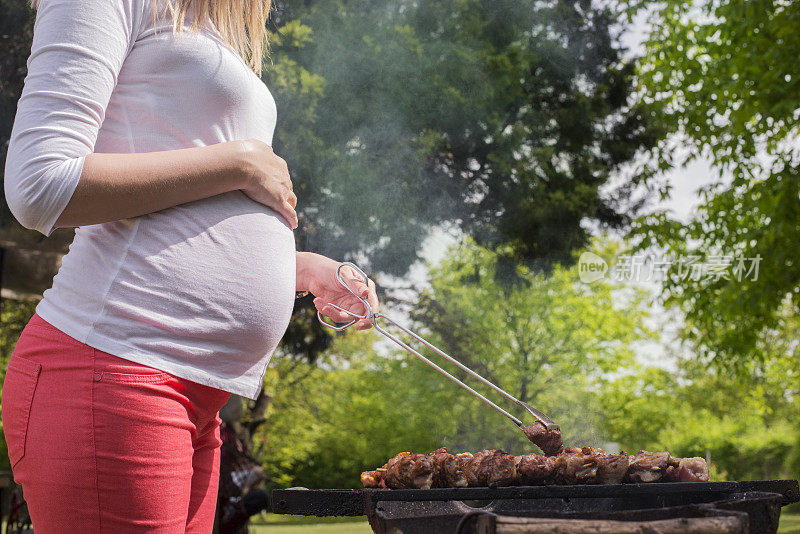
x: 118, y: 186
x: 52, y: 177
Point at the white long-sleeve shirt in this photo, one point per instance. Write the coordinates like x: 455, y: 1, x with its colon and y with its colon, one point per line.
x: 203, y: 290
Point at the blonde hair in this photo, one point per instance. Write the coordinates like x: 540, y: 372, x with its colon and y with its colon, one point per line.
x: 241, y: 23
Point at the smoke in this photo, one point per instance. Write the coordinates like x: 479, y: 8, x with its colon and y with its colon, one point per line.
x: 396, y: 117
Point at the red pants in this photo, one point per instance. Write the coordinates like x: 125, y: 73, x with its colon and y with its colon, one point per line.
x: 103, y: 444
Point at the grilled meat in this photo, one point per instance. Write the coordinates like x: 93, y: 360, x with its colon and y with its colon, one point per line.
x: 647, y: 467
x: 443, y: 463
x: 473, y: 471
x: 550, y: 441
x: 686, y: 470
x: 372, y: 479
x: 491, y: 468
x: 449, y: 469
x: 535, y: 470
x: 438, y: 469
x: 574, y: 465
x: 587, y: 465
x: 407, y: 471
x: 613, y: 468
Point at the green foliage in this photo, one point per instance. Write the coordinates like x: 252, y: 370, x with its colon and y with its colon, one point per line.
x: 748, y: 424
x: 14, y: 315
x: 345, y: 413
x: 549, y: 340
x: 725, y: 75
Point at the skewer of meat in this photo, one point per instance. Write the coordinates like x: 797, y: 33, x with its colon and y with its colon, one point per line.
x: 574, y: 465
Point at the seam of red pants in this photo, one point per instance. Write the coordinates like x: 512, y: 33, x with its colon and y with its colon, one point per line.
x: 94, y: 447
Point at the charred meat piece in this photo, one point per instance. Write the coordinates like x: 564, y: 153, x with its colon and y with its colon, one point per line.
x: 450, y: 470
x: 396, y: 469
x: 613, y: 468
x: 550, y: 441
x: 686, y: 470
x: 440, y: 459
x: 491, y: 468
x: 693, y: 470
x: 474, y: 471
x: 500, y: 469
x: 647, y: 467
x: 587, y: 465
x: 409, y: 471
x: 576, y: 466
x: 372, y: 479
x: 535, y: 470
x: 420, y: 471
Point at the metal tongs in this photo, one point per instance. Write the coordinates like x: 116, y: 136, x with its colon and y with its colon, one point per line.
x: 549, y: 424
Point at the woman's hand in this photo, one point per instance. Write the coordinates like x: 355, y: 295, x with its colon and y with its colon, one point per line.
x: 267, y: 179
x: 317, y: 274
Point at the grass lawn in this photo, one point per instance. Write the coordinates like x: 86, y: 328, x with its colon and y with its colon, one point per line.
x: 297, y: 524
x: 359, y: 527
x: 790, y: 524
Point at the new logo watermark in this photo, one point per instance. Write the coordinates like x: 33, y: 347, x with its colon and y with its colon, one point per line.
x: 591, y: 267
x: 649, y: 267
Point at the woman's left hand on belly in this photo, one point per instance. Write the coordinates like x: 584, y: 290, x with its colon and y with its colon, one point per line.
x: 317, y: 274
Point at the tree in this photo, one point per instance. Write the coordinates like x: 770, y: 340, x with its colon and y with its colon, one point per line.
x: 746, y: 424
x: 16, y: 33
x: 547, y: 339
x: 725, y: 74
x: 504, y: 118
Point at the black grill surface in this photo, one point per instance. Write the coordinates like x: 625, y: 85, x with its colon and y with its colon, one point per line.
x: 755, y: 505
x: 353, y: 502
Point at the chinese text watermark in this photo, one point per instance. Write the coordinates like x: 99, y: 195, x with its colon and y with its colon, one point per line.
x: 654, y: 268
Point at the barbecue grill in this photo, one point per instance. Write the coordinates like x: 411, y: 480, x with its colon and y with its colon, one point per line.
x: 695, y: 507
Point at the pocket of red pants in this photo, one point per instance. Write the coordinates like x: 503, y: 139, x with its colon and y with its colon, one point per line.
x: 19, y: 387
x: 153, y: 377
x: 116, y: 370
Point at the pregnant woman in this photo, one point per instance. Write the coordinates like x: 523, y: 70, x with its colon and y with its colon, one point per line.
x: 147, y: 126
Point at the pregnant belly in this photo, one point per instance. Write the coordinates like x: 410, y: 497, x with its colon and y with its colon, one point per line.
x: 213, y: 276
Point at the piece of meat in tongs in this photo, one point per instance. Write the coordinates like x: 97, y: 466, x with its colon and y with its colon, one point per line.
x: 546, y: 438
x: 544, y: 432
